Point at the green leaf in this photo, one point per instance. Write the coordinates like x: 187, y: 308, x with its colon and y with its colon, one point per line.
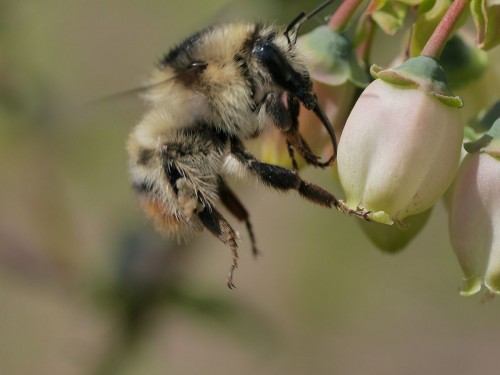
x: 390, y: 17
x: 486, y: 16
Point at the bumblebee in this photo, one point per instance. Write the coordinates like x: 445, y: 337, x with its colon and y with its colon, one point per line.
x: 220, y: 86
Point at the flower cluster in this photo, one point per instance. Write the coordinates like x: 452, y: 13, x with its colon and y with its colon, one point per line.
x: 401, y: 139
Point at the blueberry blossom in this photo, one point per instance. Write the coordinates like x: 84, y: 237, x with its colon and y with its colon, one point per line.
x: 400, y: 147
x: 475, y: 214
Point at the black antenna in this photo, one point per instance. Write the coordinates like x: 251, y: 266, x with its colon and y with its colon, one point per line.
x: 303, y: 17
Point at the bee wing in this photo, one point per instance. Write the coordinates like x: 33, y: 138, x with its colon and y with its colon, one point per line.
x: 130, y: 93
x: 122, y: 106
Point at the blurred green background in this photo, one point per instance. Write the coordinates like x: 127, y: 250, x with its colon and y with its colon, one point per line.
x: 88, y: 287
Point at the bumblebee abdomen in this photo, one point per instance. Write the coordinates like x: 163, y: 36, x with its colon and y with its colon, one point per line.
x: 179, y: 177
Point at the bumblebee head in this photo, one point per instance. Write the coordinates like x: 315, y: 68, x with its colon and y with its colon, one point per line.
x: 278, y: 55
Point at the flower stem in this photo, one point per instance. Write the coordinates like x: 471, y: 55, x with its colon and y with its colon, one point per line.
x: 342, y: 16
x: 364, y: 49
x: 436, y: 42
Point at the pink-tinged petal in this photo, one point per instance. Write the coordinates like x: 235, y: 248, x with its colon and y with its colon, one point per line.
x: 475, y: 222
x: 399, y: 151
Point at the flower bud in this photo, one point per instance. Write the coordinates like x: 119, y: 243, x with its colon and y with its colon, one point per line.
x: 475, y: 214
x: 331, y: 58
x: 400, y: 147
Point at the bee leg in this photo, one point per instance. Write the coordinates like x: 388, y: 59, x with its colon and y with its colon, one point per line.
x: 296, y: 142
x: 234, y: 205
x: 286, y: 118
x: 281, y: 116
x: 282, y: 178
x: 285, y: 180
x: 295, y: 139
x: 220, y: 228
x: 291, y: 153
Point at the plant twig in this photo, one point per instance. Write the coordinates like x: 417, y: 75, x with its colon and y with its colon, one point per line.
x: 343, y: 14
x: 443, y: 31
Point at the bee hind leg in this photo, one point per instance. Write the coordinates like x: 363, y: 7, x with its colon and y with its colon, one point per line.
x: 234, y: 205
x: 220, y: 228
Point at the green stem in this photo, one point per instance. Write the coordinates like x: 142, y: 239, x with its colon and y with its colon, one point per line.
x: 443, y: 31
x: 364, y: 49
x: 342, y: 16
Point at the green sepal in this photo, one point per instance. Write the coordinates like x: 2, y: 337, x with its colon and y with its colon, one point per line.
x: 450, y: 101
x: 423, y: 73
x: 492, y: 283
x: 489, y: 143
x: 463, y: 63
x: 381, y: 217
x: 393, y: 238
x: 486, y: 16
x: 471, y: 286
x: 331, y: 58
x: 391, y: 76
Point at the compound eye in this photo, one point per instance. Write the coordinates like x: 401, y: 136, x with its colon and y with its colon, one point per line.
x: 280, y: 69
x: 272, y: 59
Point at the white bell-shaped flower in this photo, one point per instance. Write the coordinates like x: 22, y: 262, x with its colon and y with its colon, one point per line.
x: 400, y: 147
x: 475, y: 214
